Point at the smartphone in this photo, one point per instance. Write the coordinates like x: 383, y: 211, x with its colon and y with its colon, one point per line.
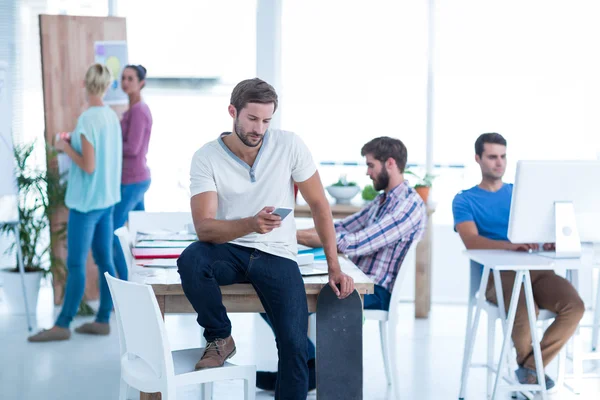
x: 282, y: 212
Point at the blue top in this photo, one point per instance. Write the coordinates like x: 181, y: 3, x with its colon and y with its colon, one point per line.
x: 489, y: 210
x: 102, y: 188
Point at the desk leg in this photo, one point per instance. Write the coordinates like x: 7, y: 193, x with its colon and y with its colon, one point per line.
x: 472, y: 333
x: 512, y: 312
x: 423, y: 274
x: 155, y: 396
x: 537, y: 351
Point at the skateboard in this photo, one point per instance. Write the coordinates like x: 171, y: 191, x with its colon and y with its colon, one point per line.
x: 339, y: 346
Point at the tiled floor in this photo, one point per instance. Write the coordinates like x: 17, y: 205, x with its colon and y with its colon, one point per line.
x: 87, y: 367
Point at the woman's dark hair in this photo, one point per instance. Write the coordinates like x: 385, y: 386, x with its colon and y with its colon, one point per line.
x: 140, y: 71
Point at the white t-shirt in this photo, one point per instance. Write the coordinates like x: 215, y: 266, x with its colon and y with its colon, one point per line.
x: 243, y: 191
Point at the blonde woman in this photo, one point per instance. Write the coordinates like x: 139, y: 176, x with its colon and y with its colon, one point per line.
x: 95, y: 147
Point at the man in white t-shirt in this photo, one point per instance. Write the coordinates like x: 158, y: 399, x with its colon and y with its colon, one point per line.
x: 237, y: 181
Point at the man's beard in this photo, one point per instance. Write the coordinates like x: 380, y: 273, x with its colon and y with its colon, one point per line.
x: 239, y: 131
x: 382, y: 180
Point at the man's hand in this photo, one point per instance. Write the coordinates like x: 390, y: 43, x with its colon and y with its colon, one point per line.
x: 549, y: 246
x: 524, y: 246
x: 265, y: 222
x: 337, y: 277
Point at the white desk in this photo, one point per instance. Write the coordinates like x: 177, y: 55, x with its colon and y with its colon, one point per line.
x: 521, y: 263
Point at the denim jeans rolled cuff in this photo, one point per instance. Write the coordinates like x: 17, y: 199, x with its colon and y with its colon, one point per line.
x: 93, y: 229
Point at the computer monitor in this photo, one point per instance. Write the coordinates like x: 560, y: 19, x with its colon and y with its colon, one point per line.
x: 556, y: 202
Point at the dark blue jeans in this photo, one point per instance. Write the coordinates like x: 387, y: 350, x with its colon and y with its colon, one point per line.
x: 91, y: 229
x: 379, y: 300
x: 204, y: 267
x: 132, y: 199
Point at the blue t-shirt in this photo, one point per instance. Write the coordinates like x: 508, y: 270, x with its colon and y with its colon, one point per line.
x: 102, y: 188
x: 489, y: 210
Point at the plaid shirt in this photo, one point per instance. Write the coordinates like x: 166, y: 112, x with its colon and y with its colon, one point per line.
x: 378, y: 237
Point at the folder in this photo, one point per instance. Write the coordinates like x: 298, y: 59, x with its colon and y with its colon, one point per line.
x: 144, y: 253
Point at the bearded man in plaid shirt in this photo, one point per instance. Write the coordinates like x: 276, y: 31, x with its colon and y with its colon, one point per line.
x: 377, y: 237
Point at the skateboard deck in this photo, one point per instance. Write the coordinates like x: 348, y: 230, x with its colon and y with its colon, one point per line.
x: 339, y: 346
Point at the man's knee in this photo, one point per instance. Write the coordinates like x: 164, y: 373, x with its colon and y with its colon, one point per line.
x: 193, y: 259
x: 576, y: 308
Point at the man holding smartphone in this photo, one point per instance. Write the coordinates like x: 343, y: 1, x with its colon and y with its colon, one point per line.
x: 236, y: 181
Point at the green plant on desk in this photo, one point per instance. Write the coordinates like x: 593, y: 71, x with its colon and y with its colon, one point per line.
x: 369, y: 193
x: 340, y: 183
x: 425, y: 181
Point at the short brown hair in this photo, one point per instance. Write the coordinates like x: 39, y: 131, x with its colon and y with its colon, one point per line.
x: 493, y: 138
x: 384, y: 147
x: 253, y: 91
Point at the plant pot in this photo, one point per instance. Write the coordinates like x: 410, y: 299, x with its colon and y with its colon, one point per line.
x: 13, y: 291
x: 423, y: 191
x: 343, y: 194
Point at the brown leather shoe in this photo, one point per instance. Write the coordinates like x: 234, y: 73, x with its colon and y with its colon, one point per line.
x: 216, y: 352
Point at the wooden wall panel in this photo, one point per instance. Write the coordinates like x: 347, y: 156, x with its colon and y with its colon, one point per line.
x: 67, y: 45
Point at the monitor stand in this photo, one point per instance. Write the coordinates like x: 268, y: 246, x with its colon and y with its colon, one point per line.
x: 568, y: 244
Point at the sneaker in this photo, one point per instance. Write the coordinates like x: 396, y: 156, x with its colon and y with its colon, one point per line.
x: 528, y: 376
x: 94, y: 328
x: 216, y: 353
x: 51, y: 335
x: 268, y: 380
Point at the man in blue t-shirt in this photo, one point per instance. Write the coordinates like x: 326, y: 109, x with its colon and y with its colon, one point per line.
x: 481, y: 219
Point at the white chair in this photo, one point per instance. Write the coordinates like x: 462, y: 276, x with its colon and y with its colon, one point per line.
x: 388, y: 327
x: 494, y: 314
x: 126, y: 243
x: 147, y: 362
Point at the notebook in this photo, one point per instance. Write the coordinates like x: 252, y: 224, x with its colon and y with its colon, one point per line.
x: 310, y: 271
x: 144, y: 253
x: 161, y: 263
x: 162, y: 243
x: 318, y: 252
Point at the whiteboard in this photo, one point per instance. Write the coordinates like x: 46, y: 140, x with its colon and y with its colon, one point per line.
x: 8, y: 183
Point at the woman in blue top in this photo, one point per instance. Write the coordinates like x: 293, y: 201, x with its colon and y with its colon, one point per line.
x: 94, y: 188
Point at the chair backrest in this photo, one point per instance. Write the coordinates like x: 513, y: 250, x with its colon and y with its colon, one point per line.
x: 141, y: 328
x: 140, y: 221
x: 395, y: 299
x: 126, y: 244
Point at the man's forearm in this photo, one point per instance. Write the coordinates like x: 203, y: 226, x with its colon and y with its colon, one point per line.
x: 480, y: 242
x: 324, y: 228
x: 217, y: 231
x: 309, y: 237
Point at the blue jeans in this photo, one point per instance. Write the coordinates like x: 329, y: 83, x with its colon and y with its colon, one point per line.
x: 379, y: 300
x: 279, y: 285
x: 132, y: 199
x: 91, y: 229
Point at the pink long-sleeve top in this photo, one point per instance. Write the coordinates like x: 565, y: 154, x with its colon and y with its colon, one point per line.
x: 136, y: 125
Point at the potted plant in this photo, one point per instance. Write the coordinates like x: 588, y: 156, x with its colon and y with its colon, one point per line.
x: 343, y: 191
x: 423, y: 185
x: 41, y: 195
x: 369, y: 193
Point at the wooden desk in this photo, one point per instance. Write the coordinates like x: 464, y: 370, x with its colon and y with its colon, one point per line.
x: 339, y: 211
x: 236, y: 298
x: 423, y: 254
